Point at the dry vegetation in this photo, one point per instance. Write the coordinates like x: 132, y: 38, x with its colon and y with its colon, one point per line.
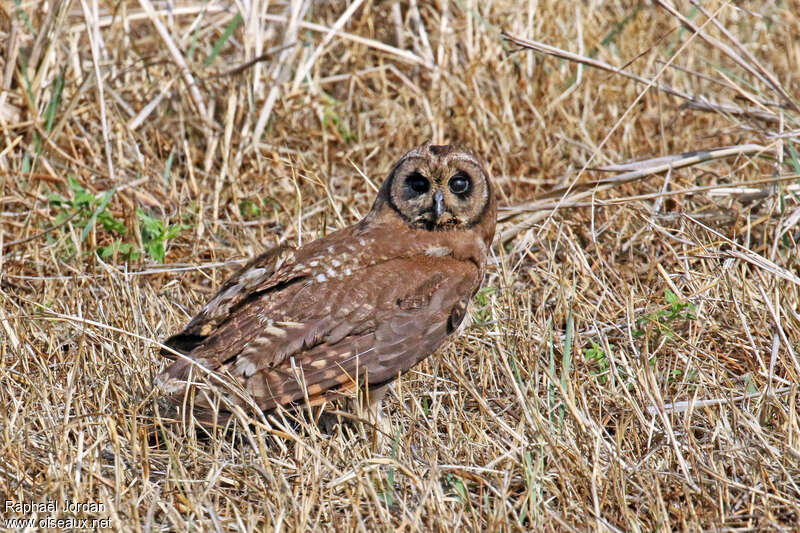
x: 634, y: 357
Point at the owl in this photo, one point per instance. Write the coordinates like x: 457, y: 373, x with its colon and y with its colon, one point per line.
x: 352, y: 310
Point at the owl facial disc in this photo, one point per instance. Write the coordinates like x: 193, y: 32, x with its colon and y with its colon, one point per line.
x: 438, y: 187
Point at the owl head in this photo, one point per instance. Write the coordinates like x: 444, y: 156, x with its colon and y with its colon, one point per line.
x: 440, y: 188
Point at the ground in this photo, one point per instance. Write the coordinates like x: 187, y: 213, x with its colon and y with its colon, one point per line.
x: 633, y: 357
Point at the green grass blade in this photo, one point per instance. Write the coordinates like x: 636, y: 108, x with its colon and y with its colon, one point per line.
x: 24, y: 17
x: 168, y: 166
x: 55, y: 101
x: 229, y: 29
x: 566, y: 359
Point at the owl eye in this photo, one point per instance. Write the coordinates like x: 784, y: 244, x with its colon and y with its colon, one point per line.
x: 418, y: 183
x: 460, y: 183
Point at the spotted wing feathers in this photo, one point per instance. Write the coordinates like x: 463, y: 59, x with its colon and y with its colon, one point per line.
x: 306, y: 332
x: 231, y: 294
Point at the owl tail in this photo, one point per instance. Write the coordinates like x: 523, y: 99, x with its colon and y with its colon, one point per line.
x: 192, y: 393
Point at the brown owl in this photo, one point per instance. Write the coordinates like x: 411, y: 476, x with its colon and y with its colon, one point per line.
x: 354, y: 309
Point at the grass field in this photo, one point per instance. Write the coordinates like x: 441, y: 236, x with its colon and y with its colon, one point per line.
x: 634, y: 356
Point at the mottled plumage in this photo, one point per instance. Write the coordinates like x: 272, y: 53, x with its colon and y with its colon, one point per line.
x: 358, y: 307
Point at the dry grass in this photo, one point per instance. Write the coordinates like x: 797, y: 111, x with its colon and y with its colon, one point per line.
x: 636, y: 352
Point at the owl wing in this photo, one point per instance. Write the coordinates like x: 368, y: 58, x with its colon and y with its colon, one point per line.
x: 410, y: 320
x: 305, y: 338
x: 237, y: 288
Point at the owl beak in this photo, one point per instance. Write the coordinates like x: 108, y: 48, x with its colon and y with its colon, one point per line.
x: 438, y: 205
